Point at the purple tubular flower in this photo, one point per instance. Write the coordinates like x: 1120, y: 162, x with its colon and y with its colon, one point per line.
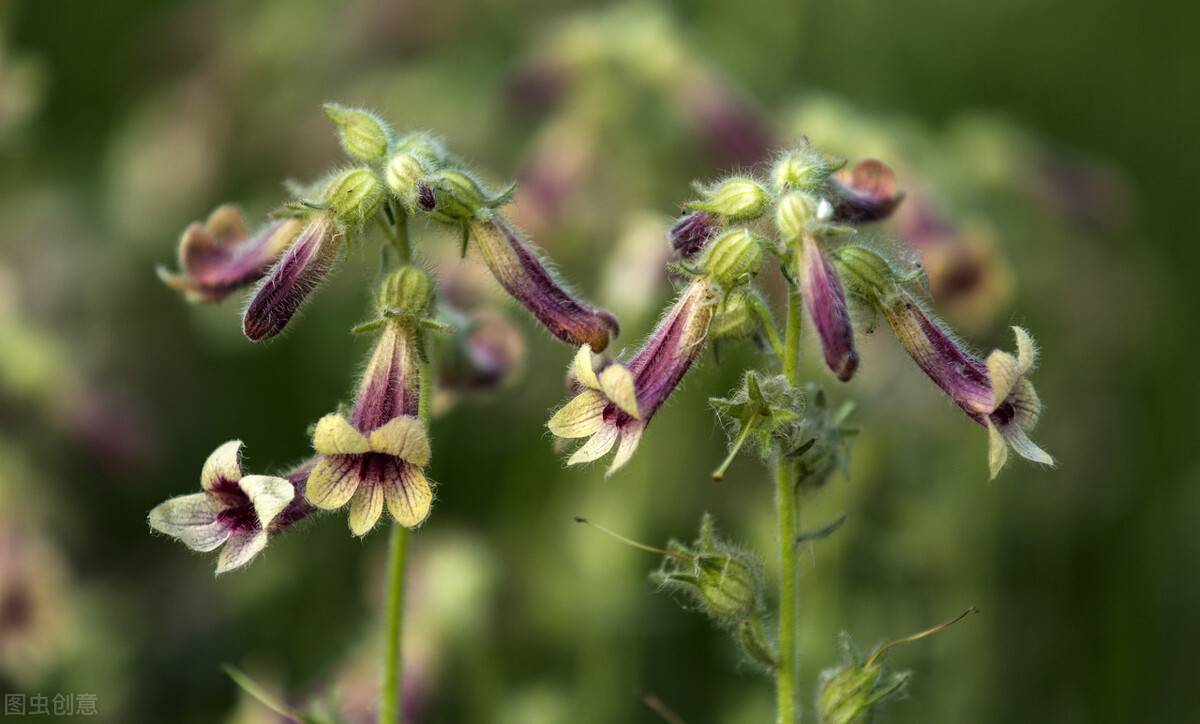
x: 618, y: 402
x: 378, y: 454
x: 866, y: 193
x: 239, y: 512
x: 220, y: 257
x: 994, y: 392
x: 301, y: 269
x: 826, y: 302
x: 690, y: 234
x: 518, y: 269
x: 487, y: 353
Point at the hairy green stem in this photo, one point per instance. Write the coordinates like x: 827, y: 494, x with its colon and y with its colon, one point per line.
x: 786, y: 509
x: 392, y: 689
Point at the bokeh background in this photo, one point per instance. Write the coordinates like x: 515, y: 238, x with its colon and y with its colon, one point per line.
x: 1051, y: 144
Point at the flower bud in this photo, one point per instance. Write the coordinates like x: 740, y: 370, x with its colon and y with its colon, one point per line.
x: 735, y: 317
x: 453, y: 196
x: 364, y: 136
x: 800, y: 169
x: 692, y: 231
x: 796, y: 214
x: 408, y: 291
x: 402, y: 172
x: 733, y: 257
x: 725, y: 582
x: 736, y: 199
x: 354, y: 195
x: 427, y: 149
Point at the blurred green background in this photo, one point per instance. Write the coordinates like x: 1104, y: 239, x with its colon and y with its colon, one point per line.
x: 1062, y: 130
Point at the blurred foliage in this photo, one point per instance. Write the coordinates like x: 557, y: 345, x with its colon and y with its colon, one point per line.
x: 1053, y: 130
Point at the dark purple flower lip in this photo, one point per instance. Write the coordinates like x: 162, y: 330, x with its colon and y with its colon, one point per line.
x: 865, y: 193
x: 518, y: 268
x: 219, y: 257
x: 293, y: 278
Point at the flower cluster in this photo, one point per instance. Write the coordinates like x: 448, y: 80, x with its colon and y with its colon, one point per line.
x: 813, y: 204
x: 374, y: 454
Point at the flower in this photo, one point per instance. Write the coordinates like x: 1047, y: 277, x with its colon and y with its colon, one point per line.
x: 220, y: 257
x: 620, y: 400
x: 995, y: 392
x: 689, y: 234
x: 305, y: 265
x: 377, y: 454
x: 518, y: 269
x: 240, y: 512
x: 825, y: 300
x: 866, y: 192
x: 486, y: 353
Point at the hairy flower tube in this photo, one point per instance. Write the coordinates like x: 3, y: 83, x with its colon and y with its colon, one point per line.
x: 220, y: 257
x: 377, y: 455
x: 350, y: 197
x: 995, y: 392
x: 800, y: 218
x: 620, y: 400
x: 518, y: 268
x: 239, y: 512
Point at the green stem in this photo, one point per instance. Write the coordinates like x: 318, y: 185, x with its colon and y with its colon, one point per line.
x: 786, y: 510
x: 390, y: 700
x: 768, y: 325
x: 389, y: 705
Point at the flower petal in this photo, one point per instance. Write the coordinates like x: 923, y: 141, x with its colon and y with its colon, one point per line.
x: 826, y: 302
x: 1019, y: 441
x: 288, y: 284
x: 240, y: 549
x: 269, y: 494
x: 582, y: 367
x: 333, y: 481
x: 596, y: 447
x: 192, y: 519
x: 997, y: 450
x: 616, y: 381
x: 334, y: 435
x: 1026, y: 351
x: 222, y: 464
x: 581, y: 417
x: 365, y: 508
x: 631, y: 435
x: 405, y: 438
x: 409, y: 497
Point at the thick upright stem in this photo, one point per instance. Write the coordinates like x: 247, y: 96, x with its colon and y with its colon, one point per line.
x: 393, y: 670
x: 389, y: 704
x: 786, y: 509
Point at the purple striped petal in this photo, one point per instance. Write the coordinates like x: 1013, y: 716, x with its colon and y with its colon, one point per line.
x: 690, y: 234
x: 301, y: 269
x: 673, y: 346
x: 519, y: 270
x: 826, y: 302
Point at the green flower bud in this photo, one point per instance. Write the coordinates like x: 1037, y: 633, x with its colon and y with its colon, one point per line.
x: 727, y: 585
x: 866, y: 273
x: 354, y: 195
x: 733, y: 257
x: 407, y: 291
x: 364, y: 136
x: 736, y: 199
x: 454, y: 196
x: 795, y: 214
x: 852, y: 692
x: 735, y: 317
x: 723, y: 581
x: 402, y: 172
x: 427, y: 149
x: 801, y: 169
